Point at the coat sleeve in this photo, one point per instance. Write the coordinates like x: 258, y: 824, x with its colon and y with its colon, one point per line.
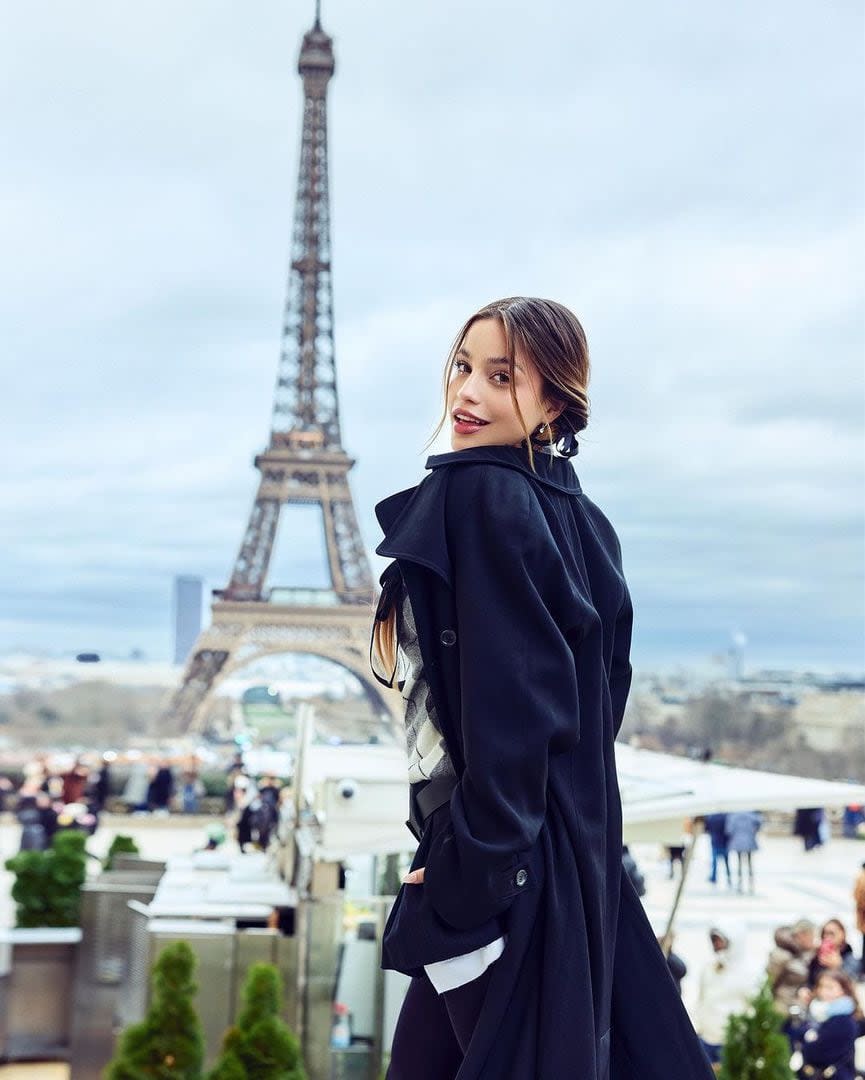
x: 518, y: 692
x: 620, y: 669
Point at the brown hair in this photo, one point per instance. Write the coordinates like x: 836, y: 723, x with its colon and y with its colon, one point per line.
x: 846, y: 984
x: 384, y: 638
x: 551, y: 337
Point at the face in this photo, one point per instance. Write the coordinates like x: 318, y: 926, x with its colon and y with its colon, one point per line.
x: 804, y: 939
x: 833, y: 934
x: 479, y: 386
x: 719, y: 943
x: 829, y: 990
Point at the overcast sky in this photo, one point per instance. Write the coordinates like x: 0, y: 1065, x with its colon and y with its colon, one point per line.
x: 688, y: 178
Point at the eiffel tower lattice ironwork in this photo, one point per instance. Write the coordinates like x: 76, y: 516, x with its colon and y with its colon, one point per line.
x: 303, y: 463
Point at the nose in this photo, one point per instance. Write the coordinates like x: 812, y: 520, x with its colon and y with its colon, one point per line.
x: 466, y: 391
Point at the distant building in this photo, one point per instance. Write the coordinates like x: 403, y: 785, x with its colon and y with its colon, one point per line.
x: 187, y: 615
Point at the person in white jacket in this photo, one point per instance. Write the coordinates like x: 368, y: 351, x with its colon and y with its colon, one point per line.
x: 725, y: 986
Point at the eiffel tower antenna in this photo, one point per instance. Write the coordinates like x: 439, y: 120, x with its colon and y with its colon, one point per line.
x: 304, y: 462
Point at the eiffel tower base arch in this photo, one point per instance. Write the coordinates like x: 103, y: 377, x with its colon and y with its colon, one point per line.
x: 242, y: 632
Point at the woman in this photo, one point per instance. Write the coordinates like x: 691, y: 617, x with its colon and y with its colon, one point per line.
x: 505, y: 620
x: 826, y: 1034
x: 833, y: 954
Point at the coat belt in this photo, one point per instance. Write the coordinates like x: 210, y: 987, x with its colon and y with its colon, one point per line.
x: 425, y: 797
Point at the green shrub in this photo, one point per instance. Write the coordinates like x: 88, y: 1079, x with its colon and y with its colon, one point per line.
x: 120, y: 845
x: 168, y: 1043
x: 47, y: 888
x: 215, y: 784
x: 260, y: 1046
x: 754, y: 1047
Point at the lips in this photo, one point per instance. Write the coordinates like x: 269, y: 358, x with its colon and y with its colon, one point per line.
x: 466, y: 424
x: 461, y: 416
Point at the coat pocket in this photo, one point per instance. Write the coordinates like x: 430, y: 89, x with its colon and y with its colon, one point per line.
x: 415, y: 934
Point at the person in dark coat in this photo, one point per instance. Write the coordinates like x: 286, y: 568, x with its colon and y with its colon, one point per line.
x: 716, y: 828
x: 161, y: 788
x: 678, y: 967
x: 522, y: 619
x: 102, y: 785
x: 37, y: 816
x: 825, y: 1035
x: 807, y: 824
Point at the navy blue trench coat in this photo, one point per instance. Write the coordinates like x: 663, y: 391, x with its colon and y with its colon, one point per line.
x: 524, y: 623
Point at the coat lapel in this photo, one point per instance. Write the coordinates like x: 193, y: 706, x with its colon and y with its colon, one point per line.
x: 413, y: 522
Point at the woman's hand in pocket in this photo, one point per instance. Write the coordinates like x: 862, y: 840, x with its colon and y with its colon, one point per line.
x: 415, y: 877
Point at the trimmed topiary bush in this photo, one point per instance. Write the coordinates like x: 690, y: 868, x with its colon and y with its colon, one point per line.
x: 47, y: 888
x: 168, y: 1043
x: 120, y: 845
x: 754, y: 1047
x: 260, y: 1046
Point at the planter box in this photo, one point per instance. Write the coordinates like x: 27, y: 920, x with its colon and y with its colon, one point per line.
x: 37, y: 970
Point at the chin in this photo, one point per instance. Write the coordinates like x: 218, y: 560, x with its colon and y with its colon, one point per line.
x: 463, y: 442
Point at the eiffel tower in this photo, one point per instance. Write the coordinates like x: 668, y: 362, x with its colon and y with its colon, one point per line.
x: 304, y: 463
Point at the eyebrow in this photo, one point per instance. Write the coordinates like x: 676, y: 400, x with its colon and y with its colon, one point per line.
x: 491, y: 361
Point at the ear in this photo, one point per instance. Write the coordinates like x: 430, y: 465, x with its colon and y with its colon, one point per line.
x: 553, y: 407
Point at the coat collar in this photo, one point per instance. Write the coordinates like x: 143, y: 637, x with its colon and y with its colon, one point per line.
x: 413, y: 520
x: 556, y: 472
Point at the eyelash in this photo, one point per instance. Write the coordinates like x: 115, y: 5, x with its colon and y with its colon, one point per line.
x: 457, y: 363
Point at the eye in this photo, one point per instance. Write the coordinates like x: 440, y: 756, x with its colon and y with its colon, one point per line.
x: 456, y: 364
x: 506, y: 377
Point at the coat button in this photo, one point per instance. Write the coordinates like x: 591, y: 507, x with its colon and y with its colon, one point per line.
x: 448, y: 637
x: 521, y: 878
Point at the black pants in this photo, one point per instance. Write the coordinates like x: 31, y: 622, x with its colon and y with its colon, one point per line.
x: 433, y: 1030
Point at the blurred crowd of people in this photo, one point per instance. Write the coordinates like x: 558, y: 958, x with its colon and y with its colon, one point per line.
x: 813, y: 974
x: 53, y: 796
x: 735, y: 834
x: 73, y: 793
x: 259, y: 808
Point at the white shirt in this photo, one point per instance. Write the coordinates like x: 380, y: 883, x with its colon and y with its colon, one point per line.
x: 448, y: 974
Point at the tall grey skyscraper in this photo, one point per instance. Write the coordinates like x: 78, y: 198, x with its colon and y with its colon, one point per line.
x: 187, y: 615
